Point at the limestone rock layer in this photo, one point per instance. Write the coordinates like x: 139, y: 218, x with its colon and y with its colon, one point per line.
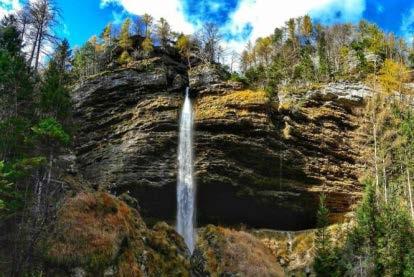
x: 259, y: 160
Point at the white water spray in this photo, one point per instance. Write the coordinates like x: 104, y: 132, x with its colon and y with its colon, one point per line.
x: 185, y: 183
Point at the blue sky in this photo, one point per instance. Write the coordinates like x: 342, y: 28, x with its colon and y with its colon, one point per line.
x: 241, y: 20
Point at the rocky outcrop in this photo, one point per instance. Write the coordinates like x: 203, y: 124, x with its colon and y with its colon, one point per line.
x: 206, y: 75
x: 346, y: 95
x: 225, y: 252
x: 259, y: 161
x: 96, y: 234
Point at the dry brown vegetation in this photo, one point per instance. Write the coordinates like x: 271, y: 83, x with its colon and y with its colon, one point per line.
x: 238, y: 103
x: 227, y: 251
x: 97, y: 231
x: 295, y: 250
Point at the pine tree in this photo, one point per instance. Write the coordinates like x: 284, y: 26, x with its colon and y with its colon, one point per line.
x: 16, y: 92
x: 55, y: 99
x: 396, y: 238
x: 291, y: 26
x: 323, y: 263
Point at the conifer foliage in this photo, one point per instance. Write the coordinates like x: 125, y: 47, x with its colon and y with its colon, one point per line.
x: 34, y: 125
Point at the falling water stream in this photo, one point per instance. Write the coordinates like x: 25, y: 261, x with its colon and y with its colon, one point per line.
x: 185, y: 182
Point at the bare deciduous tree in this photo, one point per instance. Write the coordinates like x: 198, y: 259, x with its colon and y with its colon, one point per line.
x: 44, y: 16
x: 209, y: 38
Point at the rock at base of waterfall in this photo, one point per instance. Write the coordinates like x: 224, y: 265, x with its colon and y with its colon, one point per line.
x: 96, y: 233
x: 226, y: 252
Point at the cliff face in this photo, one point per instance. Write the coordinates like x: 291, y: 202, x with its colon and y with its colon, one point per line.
x: 127, y: 136
x: 259, y: 161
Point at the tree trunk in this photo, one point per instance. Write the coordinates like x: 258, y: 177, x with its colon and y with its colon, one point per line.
x: 385, y: 181
x: 409, y: 192
x: 376, y: 158
x: 32, y: 52
x: 39, y: 44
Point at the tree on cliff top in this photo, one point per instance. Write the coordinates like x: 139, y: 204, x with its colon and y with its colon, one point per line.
x: 147, y: 20
x: 125, y: 41
x: 163, y: 32
x: 208, y: 41
x: 43, y: 17
x: 184, y: 46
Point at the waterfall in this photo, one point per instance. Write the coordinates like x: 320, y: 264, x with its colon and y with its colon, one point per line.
x: 185, y: 182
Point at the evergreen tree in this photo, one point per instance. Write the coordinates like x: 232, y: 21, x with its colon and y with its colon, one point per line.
x: 16, y: 92
x: 396, y: 240
x: 62, y: 58
x: 324, y: 262
x: 55, y: 100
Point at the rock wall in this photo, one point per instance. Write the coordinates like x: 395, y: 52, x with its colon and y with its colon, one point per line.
x: 127, y: 136
x: 259, y: 161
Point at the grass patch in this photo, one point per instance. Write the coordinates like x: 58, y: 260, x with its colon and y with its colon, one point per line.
x: 238, y: 103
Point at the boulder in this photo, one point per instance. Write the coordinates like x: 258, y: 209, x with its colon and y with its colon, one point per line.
x: 225, y: 252
x: 96, y: 234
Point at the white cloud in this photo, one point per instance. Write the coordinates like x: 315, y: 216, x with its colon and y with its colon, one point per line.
x: 265, y: 15
x: 171, y: 10
x: 8, y: 7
